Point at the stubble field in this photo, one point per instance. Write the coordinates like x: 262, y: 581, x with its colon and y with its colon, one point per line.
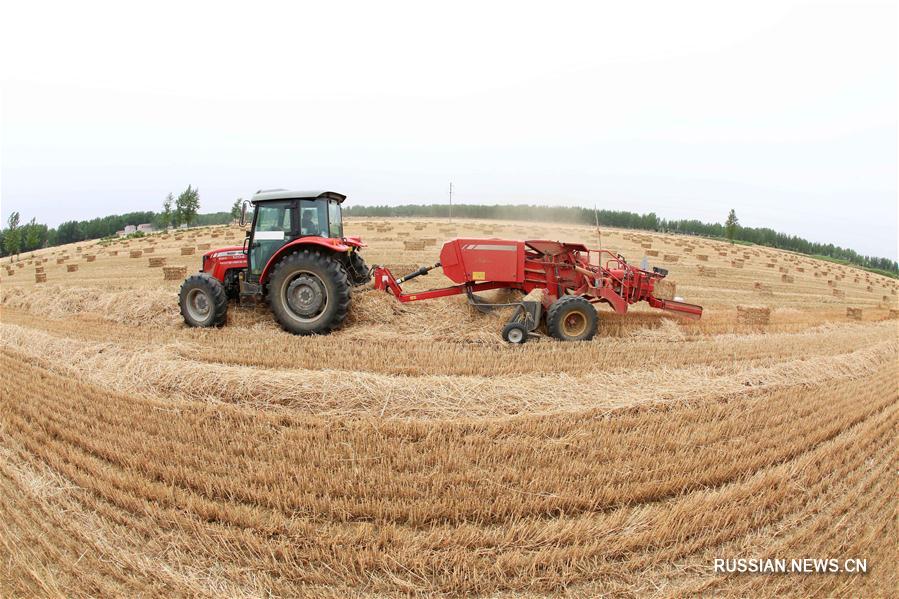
x: 413, y: 452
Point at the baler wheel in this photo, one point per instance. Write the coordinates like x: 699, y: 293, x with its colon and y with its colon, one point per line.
x: 309, y: 293
x: 203, y: 301
x: 572, y: 318
x: 515, y: 332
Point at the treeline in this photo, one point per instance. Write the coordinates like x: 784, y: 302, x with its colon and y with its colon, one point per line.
x: 33, y: 236
x: 631, y: 220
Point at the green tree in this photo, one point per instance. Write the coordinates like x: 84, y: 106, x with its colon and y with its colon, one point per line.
x: 13, y: 235
x: 167, y: 211
x: 730, y: 225
x: 187, y: 205
x: 236, y: 208
x: 33, y: 235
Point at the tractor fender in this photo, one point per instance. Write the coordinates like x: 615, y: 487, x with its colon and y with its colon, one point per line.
x: 315, y: 243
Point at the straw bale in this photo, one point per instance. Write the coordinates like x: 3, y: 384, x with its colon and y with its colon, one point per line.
x: 665, y: 289
x: 756, y: 315
x: 174, y: 273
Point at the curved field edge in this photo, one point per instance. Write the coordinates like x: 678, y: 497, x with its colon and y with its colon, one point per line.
x: 329, y: 392
x: 531, y: 505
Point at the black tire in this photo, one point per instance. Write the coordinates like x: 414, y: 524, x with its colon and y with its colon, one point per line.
x: 203, y: 301
x: 357, y: 270
x: 515, y: 332
x: 572, y: 318
x: 309, y: 293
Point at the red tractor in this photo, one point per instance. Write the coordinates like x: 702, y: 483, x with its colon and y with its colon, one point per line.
x: 295, y: 257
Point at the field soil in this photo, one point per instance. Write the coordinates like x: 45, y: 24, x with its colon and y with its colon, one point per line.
x: 414, y: 452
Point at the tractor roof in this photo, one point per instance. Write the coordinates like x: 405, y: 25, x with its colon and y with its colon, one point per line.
x: 265, y: 195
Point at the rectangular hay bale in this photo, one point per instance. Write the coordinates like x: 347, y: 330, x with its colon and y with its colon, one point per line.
x: 174, y: 273
x: 755, y: 315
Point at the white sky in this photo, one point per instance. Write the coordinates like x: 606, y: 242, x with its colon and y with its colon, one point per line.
x: 785, y: 111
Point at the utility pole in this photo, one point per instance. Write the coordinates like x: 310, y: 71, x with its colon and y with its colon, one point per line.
x: 451, y: 201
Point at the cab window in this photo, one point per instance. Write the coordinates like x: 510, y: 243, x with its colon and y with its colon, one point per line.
x: 334, y: 219
x: 272, y: 229
x: 314, y: 218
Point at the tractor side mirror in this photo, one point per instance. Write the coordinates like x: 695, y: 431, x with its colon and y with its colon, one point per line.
x: 243, y: 213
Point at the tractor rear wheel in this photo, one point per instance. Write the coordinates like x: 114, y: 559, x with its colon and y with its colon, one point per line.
x: 572, y: 318
x: 309, y: 293
x: 203, y: 301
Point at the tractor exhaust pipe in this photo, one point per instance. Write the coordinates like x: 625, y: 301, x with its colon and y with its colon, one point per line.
x: 417, y: 273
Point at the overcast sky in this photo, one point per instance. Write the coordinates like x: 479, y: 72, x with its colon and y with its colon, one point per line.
x: 784, y: 111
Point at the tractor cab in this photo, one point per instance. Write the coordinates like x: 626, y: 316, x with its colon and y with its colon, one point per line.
x: 282, y: 217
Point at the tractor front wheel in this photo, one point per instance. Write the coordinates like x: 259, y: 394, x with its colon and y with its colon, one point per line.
x: 572, y: 318
x: 203, y: 301
x: 309, y: 293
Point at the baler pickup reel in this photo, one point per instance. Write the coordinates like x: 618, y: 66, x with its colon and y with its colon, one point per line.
x: 569, y: 276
